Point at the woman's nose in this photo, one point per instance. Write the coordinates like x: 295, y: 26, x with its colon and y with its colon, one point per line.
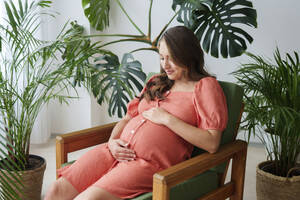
x: 166, y: 64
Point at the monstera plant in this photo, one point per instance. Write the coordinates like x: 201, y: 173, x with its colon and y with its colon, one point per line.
x: 216, y: 23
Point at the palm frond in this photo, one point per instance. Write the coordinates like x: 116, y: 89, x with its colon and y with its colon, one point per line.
x: 272, y: 98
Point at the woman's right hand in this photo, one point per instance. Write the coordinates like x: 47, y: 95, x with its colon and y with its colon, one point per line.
x: 120, y: 151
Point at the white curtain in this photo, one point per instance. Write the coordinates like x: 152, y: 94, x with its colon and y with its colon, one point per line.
x: 41, y: 130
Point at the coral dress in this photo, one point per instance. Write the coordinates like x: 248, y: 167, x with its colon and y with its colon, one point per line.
x: 156, y: 146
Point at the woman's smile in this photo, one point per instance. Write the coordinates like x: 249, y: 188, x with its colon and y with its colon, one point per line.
x: 173, y: 71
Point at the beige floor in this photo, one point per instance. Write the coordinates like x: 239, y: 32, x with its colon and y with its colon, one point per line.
x: 255, y: 155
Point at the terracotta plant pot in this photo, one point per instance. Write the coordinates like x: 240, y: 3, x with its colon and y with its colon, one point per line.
x: 272, y: 187
x: 32, y: 179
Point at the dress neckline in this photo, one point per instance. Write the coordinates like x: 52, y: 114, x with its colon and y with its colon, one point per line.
x: 180, y: 92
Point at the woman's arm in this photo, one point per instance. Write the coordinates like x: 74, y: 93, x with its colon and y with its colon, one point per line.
x: 118, y: 147
x: 208, y: 140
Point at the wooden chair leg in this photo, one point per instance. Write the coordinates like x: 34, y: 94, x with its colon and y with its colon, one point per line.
x: 238, y: 174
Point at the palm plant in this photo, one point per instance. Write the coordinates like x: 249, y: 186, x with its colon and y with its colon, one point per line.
x: 33, y: 73
x: 272, y: 99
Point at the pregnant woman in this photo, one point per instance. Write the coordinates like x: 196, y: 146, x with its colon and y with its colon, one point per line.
x: 179, y: 108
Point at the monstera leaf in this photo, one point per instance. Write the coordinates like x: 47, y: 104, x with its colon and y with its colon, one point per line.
x: 187, y: 7
x: 216, y: 24
x: 114, y: 81
x: 97, y: 12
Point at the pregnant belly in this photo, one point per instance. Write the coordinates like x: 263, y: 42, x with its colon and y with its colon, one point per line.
x: 155, y: 143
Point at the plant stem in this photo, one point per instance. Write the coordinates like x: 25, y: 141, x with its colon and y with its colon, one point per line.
x: 148, y: 49
x: 114, y: 35
x: 144, y: 40
x: 122, y: 8
x: 154, y: 43
x: 149, y: 19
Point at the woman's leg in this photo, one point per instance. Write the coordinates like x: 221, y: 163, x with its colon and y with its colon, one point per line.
x: 128, y: 179
x: 89, y: 168
x: 96, y: 193
x: 61, y: 189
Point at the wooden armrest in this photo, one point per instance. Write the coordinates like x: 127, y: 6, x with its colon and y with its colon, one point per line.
x: 237, y: 151
x: 78, y: 140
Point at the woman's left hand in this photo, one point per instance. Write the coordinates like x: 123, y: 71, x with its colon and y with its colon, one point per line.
x: 157, y: 115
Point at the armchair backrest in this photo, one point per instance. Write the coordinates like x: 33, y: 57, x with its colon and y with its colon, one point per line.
x: 234, y: 95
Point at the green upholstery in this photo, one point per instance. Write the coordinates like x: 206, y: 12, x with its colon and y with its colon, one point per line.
x: 234, y: 96
x: 67, y: 163
x: 190, y: 189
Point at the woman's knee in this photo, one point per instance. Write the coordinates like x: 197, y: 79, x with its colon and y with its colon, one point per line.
x: 95, y: 193
x: 61, y: 190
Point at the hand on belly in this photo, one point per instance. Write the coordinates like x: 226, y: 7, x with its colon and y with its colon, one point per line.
x: 120, y: 151
x: 157, y: 115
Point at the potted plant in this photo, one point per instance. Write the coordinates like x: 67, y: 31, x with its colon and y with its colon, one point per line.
x: 33, y: 72
x: 272, y: 107
x: 28, y: 80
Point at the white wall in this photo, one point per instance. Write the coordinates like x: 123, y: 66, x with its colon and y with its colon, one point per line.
x: 278, y: 24
x: 76, y: 115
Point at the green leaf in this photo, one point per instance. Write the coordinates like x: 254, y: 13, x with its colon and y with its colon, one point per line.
x: 216, y: 23
x: 186, y: 8
x: 272, y: 102
x: 44, y: 4
x: 117, y: 81
x: 10, y: 16
x: 97, y: 12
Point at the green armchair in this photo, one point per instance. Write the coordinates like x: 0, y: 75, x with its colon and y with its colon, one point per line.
x: 201, y: 177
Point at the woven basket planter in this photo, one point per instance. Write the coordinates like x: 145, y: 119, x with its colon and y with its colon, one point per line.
x: 33, y: 179
x: 271, y: 187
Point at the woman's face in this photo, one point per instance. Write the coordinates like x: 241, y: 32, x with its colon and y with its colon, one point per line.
x: 173, y: 71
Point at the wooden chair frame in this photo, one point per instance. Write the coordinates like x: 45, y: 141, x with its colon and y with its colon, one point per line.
x: 164, y: 180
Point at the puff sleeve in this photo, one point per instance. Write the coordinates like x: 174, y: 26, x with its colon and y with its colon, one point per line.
x: 210, y: 105
x: 132, y: 106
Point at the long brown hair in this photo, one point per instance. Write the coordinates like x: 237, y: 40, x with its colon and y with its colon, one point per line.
x: 185, y: 50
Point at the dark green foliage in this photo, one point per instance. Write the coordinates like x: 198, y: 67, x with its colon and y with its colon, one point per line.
x: 217, y: 24
x: 97, y: 12
x: 272, y: 98
x: 119, y: 79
